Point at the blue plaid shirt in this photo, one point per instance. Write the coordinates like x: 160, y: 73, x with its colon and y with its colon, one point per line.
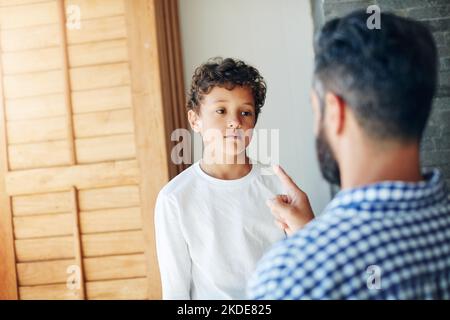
x: 389, y: 240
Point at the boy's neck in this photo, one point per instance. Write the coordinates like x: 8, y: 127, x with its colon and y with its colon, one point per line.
x: 226, y: 171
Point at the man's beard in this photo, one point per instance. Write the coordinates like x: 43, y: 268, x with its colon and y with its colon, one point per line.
x: 328, y: 164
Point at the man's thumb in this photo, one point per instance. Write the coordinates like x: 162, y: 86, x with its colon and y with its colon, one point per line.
x: 277, y: 203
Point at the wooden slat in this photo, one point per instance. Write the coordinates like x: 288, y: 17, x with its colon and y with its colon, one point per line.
x: 8, y: 279
x: 98, y: 30
x: 110, y: 220
x: 43, y: 273
x: 98, y: 9
x: 33, y: 84
x: 28, y: 156
x: 82, y: 176
x: 43, y: 226
x: 103, y: 123
x: 40, y: 107
x: 120, y: 147
x: 116, y: 267
x: 40, y: 130
x: 44, y: 249
x: 29, y: 15
x: 114, y: 243
x: 11, y: 3
x: 48, y: 292
x: 98, y: 53
x: 101, y: 99
x: 102, y: 76
x: 130, y: 289
x: 106, y: 198
x: 94, y: 245
x: 58, y: 202
x: 103, y: 268
x: 30, y: 38
x: 32, y: 61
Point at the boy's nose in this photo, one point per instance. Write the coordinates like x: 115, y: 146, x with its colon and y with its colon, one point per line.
x: 233, y: 124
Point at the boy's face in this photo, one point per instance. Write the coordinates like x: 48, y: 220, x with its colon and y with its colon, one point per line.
x: 225, y: 120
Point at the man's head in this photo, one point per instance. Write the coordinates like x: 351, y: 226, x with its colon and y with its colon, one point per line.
x: 378, y: 83
x: 225, y: 99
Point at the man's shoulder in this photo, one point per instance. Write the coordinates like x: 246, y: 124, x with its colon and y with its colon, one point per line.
x: 316, y: 236
x: 303, y: 246
x: 310, y: 259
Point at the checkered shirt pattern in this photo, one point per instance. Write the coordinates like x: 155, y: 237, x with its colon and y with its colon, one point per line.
x: 389, y: 240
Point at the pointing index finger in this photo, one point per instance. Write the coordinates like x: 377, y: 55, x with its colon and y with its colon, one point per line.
x: 286, y: 180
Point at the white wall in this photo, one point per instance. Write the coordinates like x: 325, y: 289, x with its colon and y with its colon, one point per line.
x: 275, y: 36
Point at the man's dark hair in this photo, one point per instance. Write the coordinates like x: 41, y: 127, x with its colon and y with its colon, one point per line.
x: 226, y: 73
x: 387, y: 76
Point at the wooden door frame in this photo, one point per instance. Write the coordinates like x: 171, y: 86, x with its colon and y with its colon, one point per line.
x: 158, y: 103
x: 8, y: 272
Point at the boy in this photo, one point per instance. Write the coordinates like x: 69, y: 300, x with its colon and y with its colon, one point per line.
x: 212, y: 224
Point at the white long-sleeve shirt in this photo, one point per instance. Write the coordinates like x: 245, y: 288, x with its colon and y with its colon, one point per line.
x: 210, y: 233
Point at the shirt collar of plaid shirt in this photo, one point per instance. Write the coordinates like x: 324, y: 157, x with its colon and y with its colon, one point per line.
x: 394, y: 195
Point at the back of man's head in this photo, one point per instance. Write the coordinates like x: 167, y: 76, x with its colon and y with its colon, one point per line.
x: 386, y: 76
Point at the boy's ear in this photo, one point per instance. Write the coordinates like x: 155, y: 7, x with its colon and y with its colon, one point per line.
x: 194, y: 121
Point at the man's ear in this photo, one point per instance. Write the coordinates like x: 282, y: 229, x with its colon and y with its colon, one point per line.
x: 334, y: 112
x: 194, y: 121
x: 316, y: 111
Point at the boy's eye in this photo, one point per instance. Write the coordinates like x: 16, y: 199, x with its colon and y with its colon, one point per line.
x: 220, y: 111
x: 246, y: 113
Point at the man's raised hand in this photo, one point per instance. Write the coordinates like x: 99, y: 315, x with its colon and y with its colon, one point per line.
x: 292, y: 211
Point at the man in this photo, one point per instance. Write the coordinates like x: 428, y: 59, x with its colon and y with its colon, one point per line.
x: 386, y: 235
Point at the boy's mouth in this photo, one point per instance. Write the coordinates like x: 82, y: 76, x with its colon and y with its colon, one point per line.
x: 232, y: 136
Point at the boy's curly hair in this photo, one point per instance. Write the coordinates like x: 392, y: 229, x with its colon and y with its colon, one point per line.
x: 226, y: 73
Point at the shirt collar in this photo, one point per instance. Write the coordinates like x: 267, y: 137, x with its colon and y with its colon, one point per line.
x: 394, y: 195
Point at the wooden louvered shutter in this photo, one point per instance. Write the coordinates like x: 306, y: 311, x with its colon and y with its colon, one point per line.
x: 84, y: 129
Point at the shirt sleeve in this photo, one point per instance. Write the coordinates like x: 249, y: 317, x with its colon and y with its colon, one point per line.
x: 273, y: 277
x: 172, y: 250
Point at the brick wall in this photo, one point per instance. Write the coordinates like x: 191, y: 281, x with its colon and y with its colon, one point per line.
x: 435, y: 147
